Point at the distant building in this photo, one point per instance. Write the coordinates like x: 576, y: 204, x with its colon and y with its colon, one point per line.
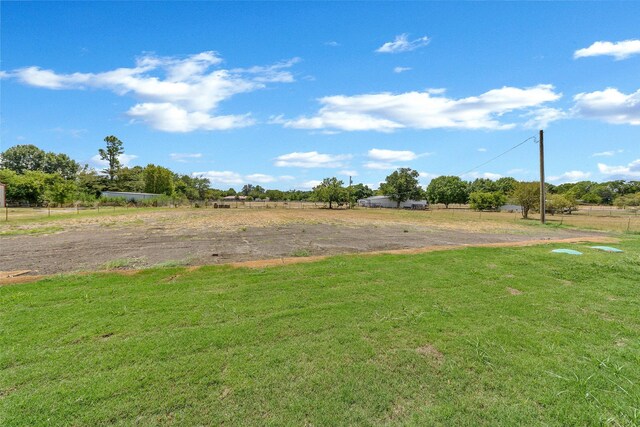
x: 129, y: 195
x: 386, y: 202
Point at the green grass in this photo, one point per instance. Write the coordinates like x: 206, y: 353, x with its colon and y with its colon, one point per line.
x: 438, y: 338
x: 29, y: 231
x: 121, y: 263
x: 301, y: 252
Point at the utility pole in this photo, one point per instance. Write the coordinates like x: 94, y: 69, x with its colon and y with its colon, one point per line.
x: 350, y: 182
x: 542, y: 188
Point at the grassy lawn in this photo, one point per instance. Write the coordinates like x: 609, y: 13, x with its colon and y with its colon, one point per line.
x: 480, y: 336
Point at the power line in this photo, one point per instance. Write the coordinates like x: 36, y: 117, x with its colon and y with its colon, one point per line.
x: 499, y: 155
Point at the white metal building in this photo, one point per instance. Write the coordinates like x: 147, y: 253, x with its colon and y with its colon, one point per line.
x: 386, y: 202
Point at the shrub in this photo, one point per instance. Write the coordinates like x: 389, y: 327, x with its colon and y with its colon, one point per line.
x: 484, y: 201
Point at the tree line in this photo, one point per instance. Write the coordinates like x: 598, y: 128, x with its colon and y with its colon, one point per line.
x: 36, y: 177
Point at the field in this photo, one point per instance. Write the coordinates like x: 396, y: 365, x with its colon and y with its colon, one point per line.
x: 466, y: 336
x: 139, y: 238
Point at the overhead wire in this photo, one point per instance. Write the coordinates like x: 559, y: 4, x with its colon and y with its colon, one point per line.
x: 499, y: 155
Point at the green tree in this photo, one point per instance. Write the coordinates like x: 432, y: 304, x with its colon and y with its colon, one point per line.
x: 90, y: 182
x: 447, y: 190
x: 193, y: 188
x: 22, y: 158
x: 402, y: 185
x: 28, y: 187
x: 527, y: 195
x: 360, y: 191
x: 274, y: 195
x: 483, y: 185
x: 506, y: 185
x: 128, y: 179
x: 246, y: 189
x: 158, y: 180
x: 484, y: 201
x: 330, y: 190
x: 61, y: 164
x: 61, y: 192
x: 628, y: 200
x: 112, y: 156
x: 257, y: 192
x: 560, y: 203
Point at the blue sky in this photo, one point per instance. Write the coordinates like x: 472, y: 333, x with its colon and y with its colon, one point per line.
x: 285, y: 94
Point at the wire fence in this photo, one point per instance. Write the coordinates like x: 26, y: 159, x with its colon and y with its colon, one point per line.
x: 594, y: 217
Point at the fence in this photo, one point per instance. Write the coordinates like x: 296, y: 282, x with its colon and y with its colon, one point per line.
x: 603, y: 218
x: 26, y: 213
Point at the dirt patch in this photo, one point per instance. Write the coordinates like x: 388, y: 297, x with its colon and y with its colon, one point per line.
x: 431, y: 352
x: 256, y: 238
x: 514, y: 291
x: 14, y: 273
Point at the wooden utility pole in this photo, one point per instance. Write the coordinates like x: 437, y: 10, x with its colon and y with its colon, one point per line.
x: 542, y: 188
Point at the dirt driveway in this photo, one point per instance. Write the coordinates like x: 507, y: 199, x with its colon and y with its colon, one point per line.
x: 216, y: 237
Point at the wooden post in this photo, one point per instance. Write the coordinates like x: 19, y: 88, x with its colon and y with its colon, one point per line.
x: 542, y: 189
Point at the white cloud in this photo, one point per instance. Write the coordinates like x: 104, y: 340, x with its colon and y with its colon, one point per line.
x: 482, y: 150
x: 184, y: 157
x: 570, y: 176
x: 541, y: 117
x: 517, y: 171
x: 426, y: 177
x: 74, y: 133
x: 607, y: 153
x: 399, y: 70
x: 125, y: 160
x: 168, y: 117
x: 386, y: 112
x: 619, y: 50
x: 260, y: 178
x: 175, y: 94
x: 609, y: 105
x: 630, y: 171
x: 308, y: 185
x: 276, y: 73
x: 221, y: 177
x: 391, y: 155
x: 311, y: 159
x: 486, y: 175
x: 332, y: 43
x: 403, y: 44
x: 348, y: 173
x: 380, y: 165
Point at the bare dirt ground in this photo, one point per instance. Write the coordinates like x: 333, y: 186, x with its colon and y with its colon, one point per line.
x: 201, y: 237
